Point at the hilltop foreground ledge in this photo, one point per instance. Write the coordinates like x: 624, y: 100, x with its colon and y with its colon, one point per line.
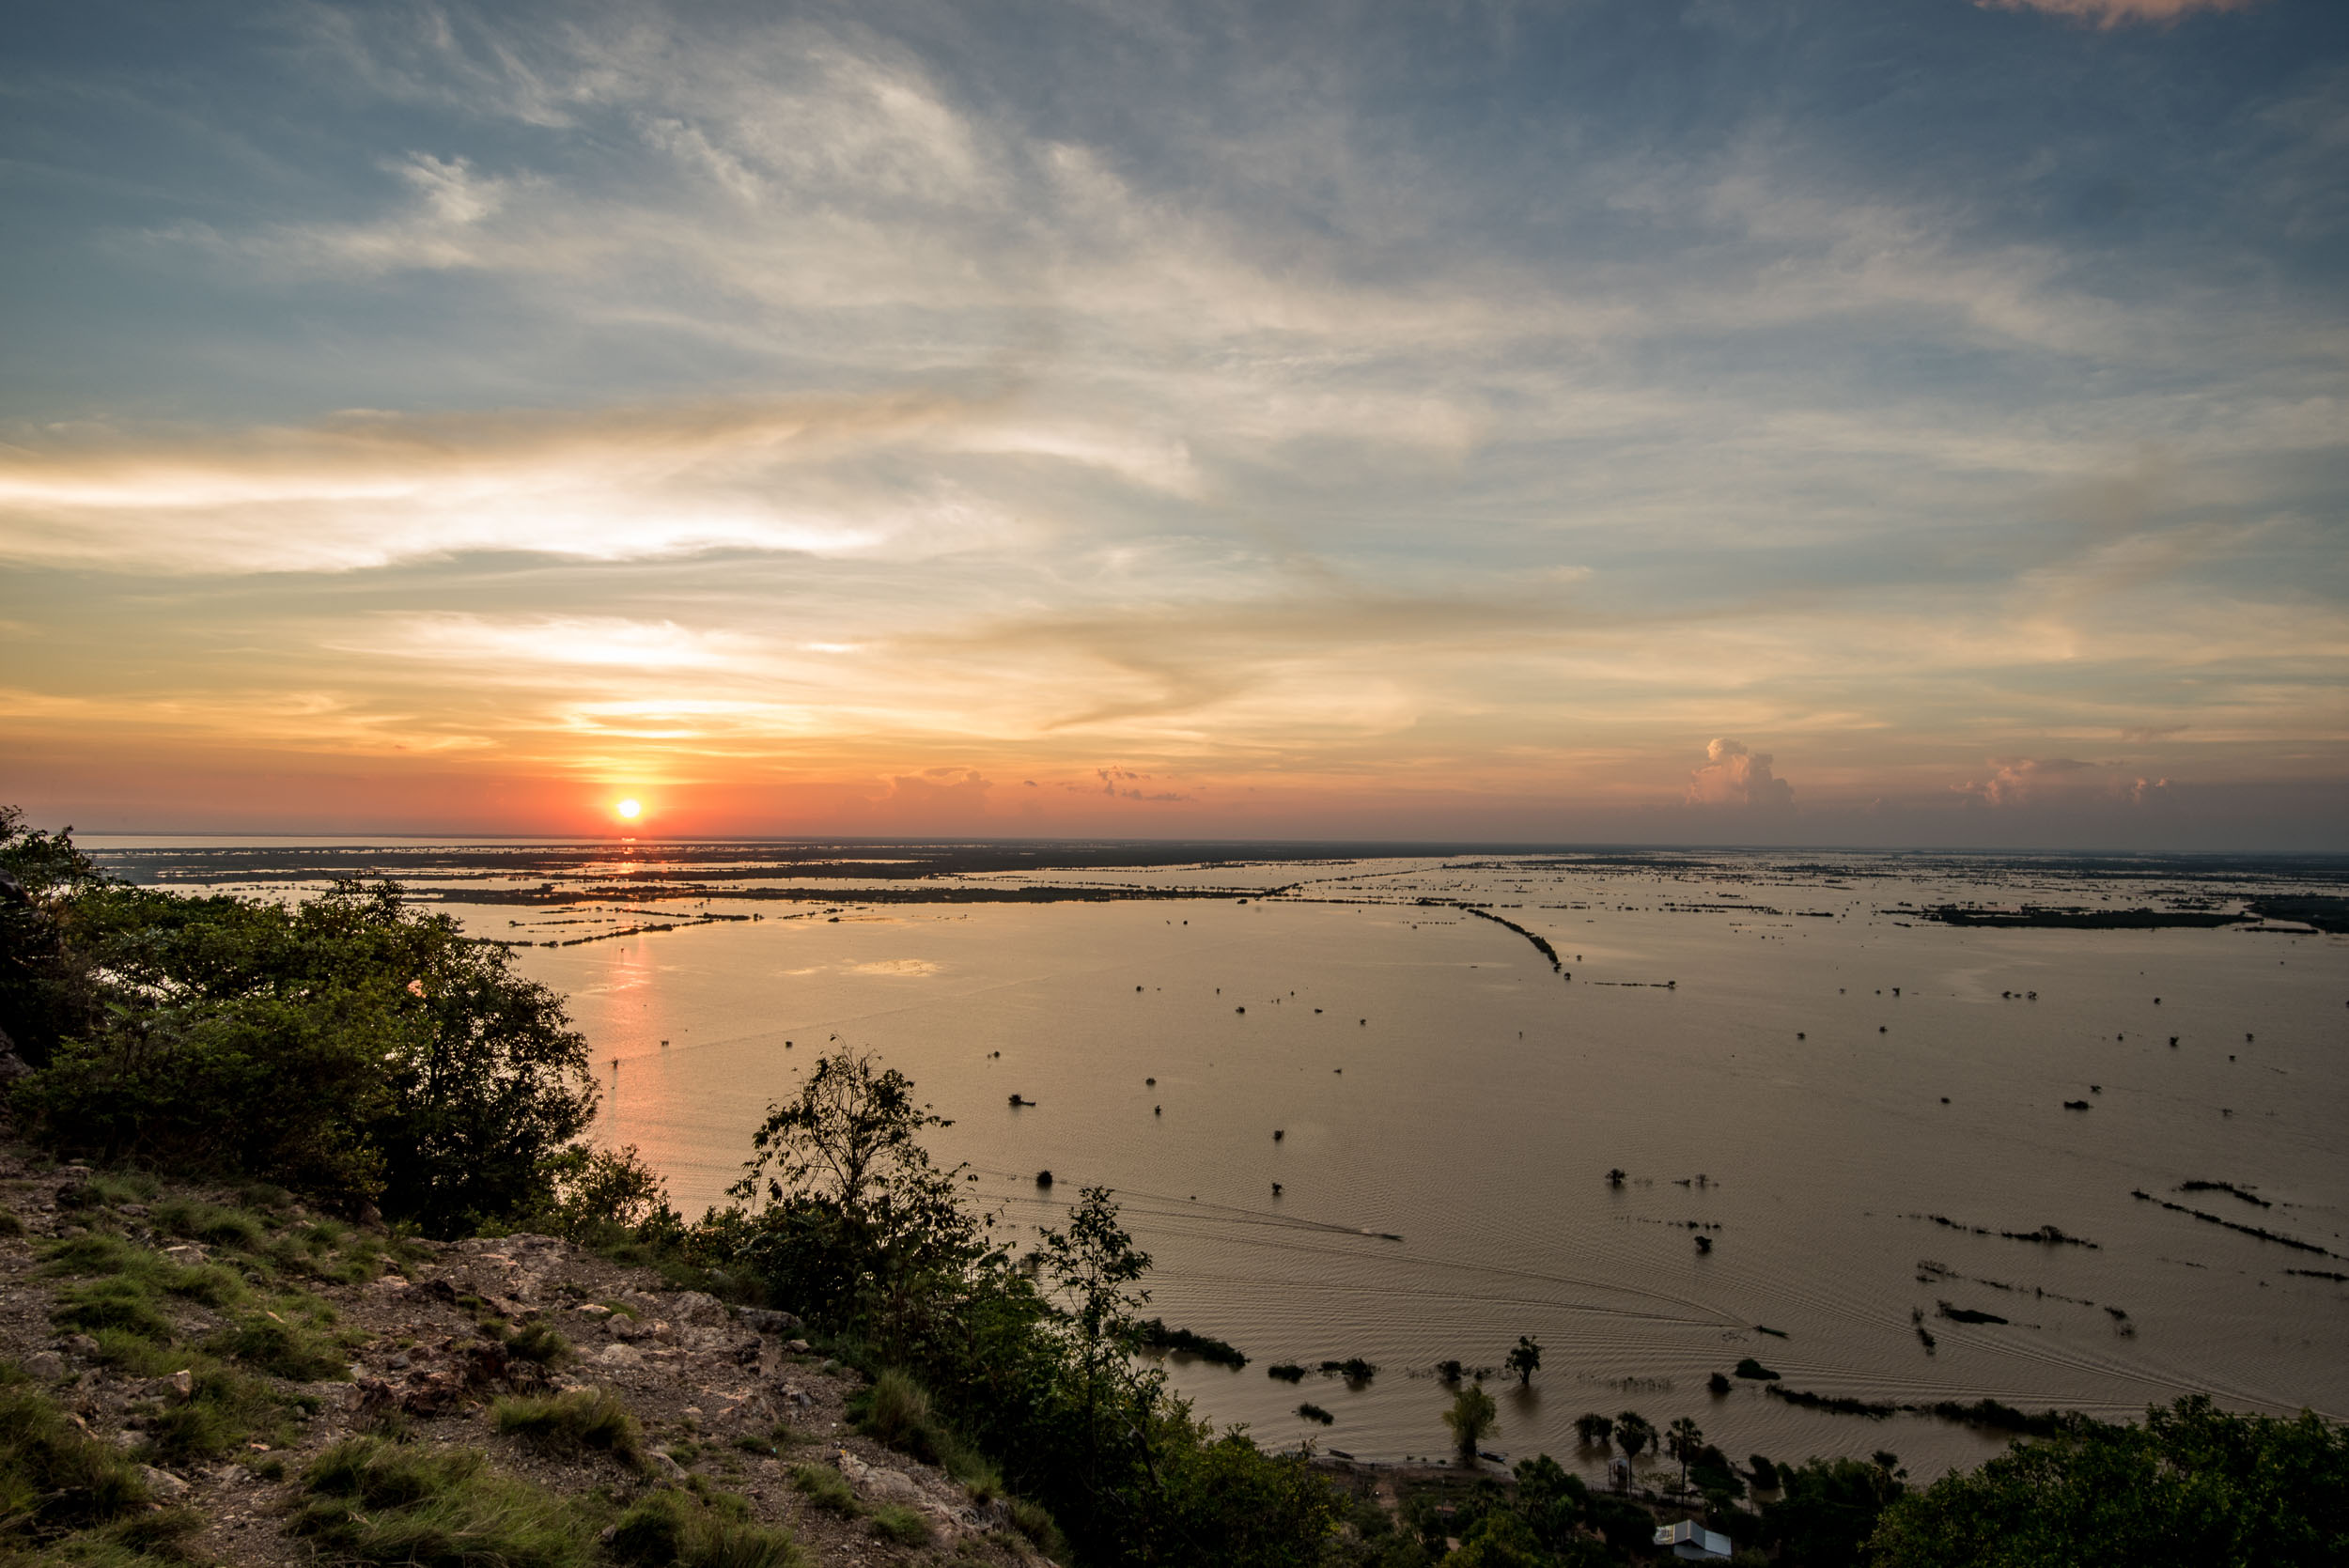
x: 205, y: 1363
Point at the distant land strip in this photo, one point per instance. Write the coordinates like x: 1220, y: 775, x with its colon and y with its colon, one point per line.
x: 1541, y: 944
x: 2324, y: 913
x: 931, y: 894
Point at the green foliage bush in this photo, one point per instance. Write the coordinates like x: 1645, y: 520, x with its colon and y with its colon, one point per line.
x: 349, y: 1047
x: 2194, y: 1485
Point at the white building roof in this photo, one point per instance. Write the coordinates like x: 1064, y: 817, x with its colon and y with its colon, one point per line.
x: 1693, y: 1543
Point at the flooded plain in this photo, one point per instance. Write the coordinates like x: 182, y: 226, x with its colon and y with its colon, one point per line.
x: 1662, y: 1112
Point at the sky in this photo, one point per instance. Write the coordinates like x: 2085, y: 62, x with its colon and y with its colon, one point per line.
x: 1869, y: 422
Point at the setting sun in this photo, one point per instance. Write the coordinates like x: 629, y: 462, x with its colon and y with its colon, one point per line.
x: 629, y: 809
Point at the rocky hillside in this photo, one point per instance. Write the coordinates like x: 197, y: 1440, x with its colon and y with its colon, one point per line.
x: 222, y: 1375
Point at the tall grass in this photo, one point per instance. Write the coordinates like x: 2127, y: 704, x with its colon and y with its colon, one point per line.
x: 375, y: 1502
x: 572, y: 1423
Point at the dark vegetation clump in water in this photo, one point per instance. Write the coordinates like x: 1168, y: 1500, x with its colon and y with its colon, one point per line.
x: 1834, y: 1404
x: 1154, y: 1334
x: 2047, y: 1234
x: 2077, y: 920
x: 2264, y: 1235
x: 286, y: 1048
x: 2228, y: 1188
x: 1968, y: 1314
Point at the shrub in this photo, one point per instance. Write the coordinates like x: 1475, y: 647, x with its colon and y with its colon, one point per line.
x: 226, y: 1409
x: 825, y: 1487
x: 1749, y: 1367
x: 896, y: 1522
x: 1032, y: 1521
x: 897, y: 1411
x: 669, y: 1526
x: 571, y: 1422
x: 1313, y: 1412
x: 976, y: 1474
x: 539, y: 1342
x: 53, y: 1477
x: 124, y: 1304
x: 1155, y: 1335
x: 212, y: 1224
x: 1287, y: 1372
x: 282, y: 1349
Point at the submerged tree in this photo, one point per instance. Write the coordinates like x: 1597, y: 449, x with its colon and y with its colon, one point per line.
x: 1471, y: 1415
x: 1593, y: 1429
x: 1525, y: 1360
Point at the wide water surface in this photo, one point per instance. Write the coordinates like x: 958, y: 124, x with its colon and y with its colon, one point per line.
x: 1771, y: 1050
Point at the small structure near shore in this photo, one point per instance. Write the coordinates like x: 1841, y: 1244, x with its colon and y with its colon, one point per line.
x: 1692, y: 1543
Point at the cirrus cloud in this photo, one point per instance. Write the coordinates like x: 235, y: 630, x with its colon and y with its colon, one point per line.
x: 2112, y: 13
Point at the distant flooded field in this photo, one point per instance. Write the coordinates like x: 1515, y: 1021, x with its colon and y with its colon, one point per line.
x: 1662, y: 1112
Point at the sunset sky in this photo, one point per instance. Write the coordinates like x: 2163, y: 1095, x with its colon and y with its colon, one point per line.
x: 1771, y: 421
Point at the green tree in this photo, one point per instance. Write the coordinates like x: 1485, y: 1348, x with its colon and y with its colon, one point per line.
x: 1471, y: 1415
x: 1634, y: 1434
x: 351, y: 1047
x: 1095, y: 1271
x: 1827, y: 1508
x: 1593, y: 1429
x: 1552, y: 1503
x: 44, y: 992
x: 1525, y: 1360
x: 2193, y: 1487
x: 846, y: 1216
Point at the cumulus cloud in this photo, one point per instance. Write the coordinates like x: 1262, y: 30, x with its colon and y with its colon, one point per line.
x: 2112, y: 13
x: 937, y: 794
x: 1735, y: 776
x: 2048, y: 781
x: 1126, y: 785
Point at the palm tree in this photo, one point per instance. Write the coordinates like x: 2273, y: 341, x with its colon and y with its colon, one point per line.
x: 1686, y: 1443
x: 1633, y: 1432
